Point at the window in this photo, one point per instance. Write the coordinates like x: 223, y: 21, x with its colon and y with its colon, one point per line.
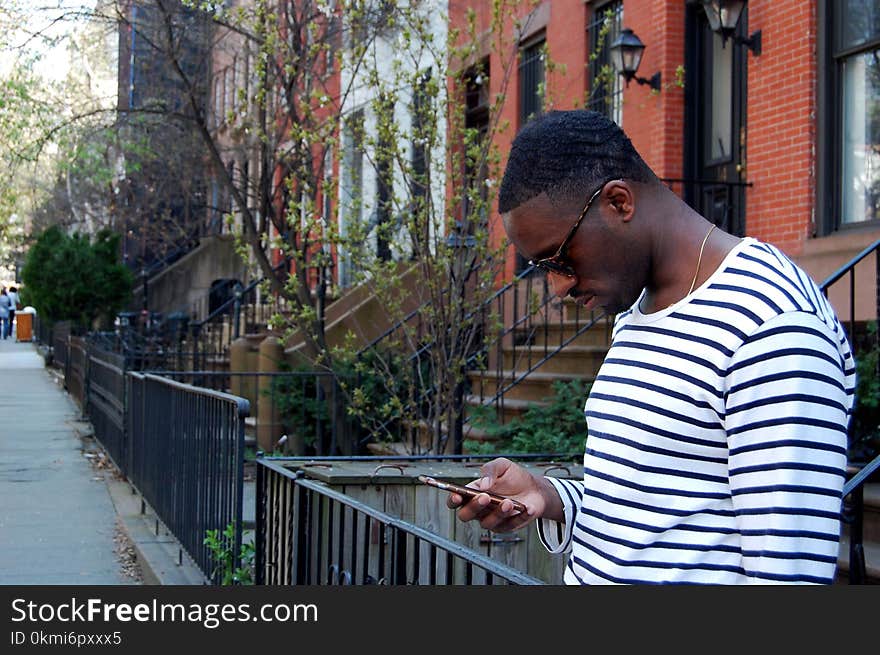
x: 531, y: 80
x: 605, y: 93
x: 849, y: 191
x: 351, y: 193
x: 421, y: 111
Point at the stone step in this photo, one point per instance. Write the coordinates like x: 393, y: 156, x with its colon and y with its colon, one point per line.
x: 510, y: 408
x: 574, y: 359
x: 537, y: 386
x: 554, y: 333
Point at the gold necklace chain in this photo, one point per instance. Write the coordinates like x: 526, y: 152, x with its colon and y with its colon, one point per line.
x: 700, y: 259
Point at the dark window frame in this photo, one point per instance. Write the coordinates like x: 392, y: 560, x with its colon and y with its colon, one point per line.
x: 600, y: 103
x: 531, y: 53
x: 829, y: 217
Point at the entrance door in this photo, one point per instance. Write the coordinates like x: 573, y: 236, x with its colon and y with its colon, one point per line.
x: 715, y: 123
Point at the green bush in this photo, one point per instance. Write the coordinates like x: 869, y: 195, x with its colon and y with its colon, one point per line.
x: 555, y: 427
x: 865, y: 430
x: 222, y: 552
x: 73, y: 278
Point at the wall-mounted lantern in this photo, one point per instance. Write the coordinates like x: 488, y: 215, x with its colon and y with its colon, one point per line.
x: 723, y: 18
x: 626, y: 55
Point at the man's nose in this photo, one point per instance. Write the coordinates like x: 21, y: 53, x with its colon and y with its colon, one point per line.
x: 560, y: 284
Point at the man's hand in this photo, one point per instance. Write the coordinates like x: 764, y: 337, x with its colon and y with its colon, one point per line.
x: 502, y: 476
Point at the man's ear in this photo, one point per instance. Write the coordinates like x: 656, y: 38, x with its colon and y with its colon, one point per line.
x: 620, y: 197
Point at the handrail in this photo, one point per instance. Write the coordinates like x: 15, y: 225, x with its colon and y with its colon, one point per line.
x: 587, y: 326
x: 861, y: 476
x: 406, y: 319
x: 846, y: 268
x: 231, y: 301
x: 243, y: 405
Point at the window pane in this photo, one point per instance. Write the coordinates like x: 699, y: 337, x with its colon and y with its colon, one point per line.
x: 861, y: 138
x: 606, y: 88
x: 858, y: 21
x: 721, y: 110
x: 531, y: 82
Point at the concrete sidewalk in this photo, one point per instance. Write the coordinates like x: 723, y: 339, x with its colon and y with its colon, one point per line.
x: 58, y: 524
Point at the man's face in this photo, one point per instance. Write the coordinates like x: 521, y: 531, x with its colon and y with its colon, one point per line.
x: 608, y: 272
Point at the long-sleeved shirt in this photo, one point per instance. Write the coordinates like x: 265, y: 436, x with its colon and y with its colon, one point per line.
x: 716, y: 437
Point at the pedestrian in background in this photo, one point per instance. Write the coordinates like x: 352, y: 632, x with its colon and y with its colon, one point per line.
x: 14, y: 304
x: 5, y: 304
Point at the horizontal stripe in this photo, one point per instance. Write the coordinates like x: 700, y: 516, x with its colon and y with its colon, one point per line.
x: 642, y: 447
x: 789, y: 398
x: 669, y: 545
x: 788, y: 420
x: 795, y: 466
x: 767, y: 357
x: 656, y: 388
x: 772, y: 306
x: 697, y: 382
x: 685, y: 336
x: 644, y: 468
x: 657, y: 509
x: 662, y: 350
x: 663, y: 491
x: 651, y: 429
x: 657, y: 410
x: 788, y: 375
x: 648, y: 527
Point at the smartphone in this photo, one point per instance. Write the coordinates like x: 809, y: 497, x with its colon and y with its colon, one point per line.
x: 469, y: 492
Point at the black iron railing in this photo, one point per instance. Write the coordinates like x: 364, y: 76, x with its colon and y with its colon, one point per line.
x: 244, y: 312
x: 187, y: 460
x: 310, y: 534
x: 293, y: 410
x: 853, y: 493
x: 522, y: 326
x: 105, y: 402
x: 76, y: 369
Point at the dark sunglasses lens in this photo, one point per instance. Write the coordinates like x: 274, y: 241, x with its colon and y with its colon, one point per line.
x: 550, y: 266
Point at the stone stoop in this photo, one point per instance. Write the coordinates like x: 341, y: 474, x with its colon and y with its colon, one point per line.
x: 578, y: 360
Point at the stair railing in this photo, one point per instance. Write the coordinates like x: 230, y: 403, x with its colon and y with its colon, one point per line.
x: 853, y: 490
x: 535, y: 326
x: 212, y: 336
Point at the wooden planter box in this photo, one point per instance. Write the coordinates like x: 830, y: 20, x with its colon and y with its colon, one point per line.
x: 393, y: 488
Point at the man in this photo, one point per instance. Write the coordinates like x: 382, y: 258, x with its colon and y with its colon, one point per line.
x: 14, y: 300
x: 5, y: 304
x: 717, y: 425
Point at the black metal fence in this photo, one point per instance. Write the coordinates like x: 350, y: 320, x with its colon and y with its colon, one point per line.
x: 309, y: 534
x: 186, y: 456
x: 105, y: 403
x: 300, y: 411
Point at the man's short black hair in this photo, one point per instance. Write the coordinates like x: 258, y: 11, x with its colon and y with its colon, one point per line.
x: 567, y: 154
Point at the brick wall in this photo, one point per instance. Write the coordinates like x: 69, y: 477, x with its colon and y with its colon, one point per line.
x: 780, y: 146
x: 781, y: 123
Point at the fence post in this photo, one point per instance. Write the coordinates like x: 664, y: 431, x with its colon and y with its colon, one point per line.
x: 268, y: 418
x: 236, y: 312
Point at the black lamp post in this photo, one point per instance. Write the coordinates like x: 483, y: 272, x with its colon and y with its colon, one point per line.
x: 723, y: 18
x: 626, y: 55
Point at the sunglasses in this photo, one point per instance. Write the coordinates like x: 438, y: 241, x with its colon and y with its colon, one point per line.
x: 556, y: 262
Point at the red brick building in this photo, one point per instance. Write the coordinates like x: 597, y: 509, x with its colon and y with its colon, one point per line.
x: 775, y: 136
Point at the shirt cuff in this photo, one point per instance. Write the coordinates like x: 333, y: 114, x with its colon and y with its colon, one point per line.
x: 556, y: 536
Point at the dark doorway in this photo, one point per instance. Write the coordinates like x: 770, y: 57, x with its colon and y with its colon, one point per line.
x: 715, y: 123
x: 222, y: 291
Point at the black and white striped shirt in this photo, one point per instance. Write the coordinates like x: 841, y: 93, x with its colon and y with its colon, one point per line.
x: 716, y: 447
